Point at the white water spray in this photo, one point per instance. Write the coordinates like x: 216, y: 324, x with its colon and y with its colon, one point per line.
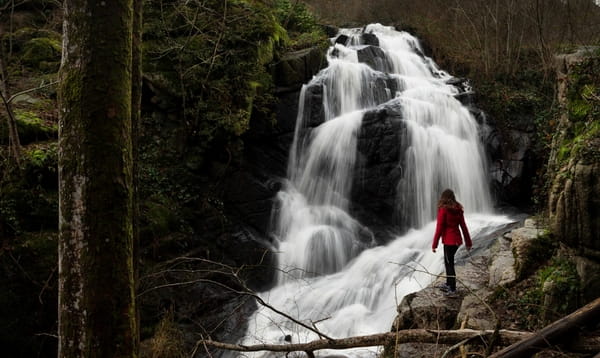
x: 330, y: 275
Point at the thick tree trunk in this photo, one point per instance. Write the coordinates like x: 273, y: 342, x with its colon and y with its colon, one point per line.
x: 96, y: 275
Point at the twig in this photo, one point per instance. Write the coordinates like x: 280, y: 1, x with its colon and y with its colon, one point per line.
x: 245, y: 291
x: 47, y: 284
x: 457, y: 345
x: 11, y: 98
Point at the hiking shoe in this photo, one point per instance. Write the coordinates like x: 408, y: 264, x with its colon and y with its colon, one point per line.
x: 443, y: 286
x: 451, y: 294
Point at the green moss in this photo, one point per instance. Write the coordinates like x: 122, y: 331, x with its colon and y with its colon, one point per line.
x: 541, y: 249
x: 564, y: 153
x: 526, y: 302
x: 28, y: 195
x: 42, y: 53
x: 583, y: 96
x: 222, y: 73
x: 563, y: 274
x: 579, y: 109
x: 32, y: 128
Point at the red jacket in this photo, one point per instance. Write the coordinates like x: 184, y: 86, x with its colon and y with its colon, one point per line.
x: 448, y: 222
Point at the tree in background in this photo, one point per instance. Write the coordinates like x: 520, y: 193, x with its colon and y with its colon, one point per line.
x: 484, y: 37
x: 96, y: 270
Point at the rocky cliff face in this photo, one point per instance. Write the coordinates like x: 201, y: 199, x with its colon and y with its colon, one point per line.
x: 574, y: 166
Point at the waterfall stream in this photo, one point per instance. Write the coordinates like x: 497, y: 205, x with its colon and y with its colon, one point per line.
x: 331, y: 272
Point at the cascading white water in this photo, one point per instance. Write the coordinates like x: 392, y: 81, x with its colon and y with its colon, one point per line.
x: 330, y: 275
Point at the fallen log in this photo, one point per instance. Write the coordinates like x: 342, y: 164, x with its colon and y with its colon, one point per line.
x: 560, y: 331
x: 505, y: 338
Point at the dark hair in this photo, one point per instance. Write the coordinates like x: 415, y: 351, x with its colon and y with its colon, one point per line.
x: 448, y: 200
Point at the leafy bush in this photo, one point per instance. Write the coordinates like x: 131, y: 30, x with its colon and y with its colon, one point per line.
x: 300, y: 24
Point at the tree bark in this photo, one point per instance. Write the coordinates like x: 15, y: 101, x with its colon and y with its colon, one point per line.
x: 558, y: 332
x: 96, y: 275
x: 13, y: 134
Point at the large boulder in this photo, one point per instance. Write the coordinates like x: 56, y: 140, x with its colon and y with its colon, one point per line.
x: 296, y: 68
x: 427, y: 308
x: 527, y: 244
x: 502, y: 266
x: 375, y: 57
x: 379, y: 151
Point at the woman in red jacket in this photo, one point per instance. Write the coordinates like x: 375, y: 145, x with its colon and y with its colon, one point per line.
x: 449, y: 219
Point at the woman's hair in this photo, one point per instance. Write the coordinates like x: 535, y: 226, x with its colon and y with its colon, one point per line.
x: 448, y: 200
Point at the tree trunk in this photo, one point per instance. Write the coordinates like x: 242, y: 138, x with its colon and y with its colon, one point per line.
x: 136, y: 110
x: 96, y: 275
x: 14, y: 142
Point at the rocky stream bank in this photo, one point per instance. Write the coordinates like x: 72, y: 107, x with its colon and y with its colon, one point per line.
x: 509, y: 285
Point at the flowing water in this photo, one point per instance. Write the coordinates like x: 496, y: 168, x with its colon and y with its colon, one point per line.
x: 331, y: 274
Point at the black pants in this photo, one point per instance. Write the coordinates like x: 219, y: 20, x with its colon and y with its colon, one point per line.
x: 449, y: 252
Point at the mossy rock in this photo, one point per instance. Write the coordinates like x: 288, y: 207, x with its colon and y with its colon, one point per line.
x: 32, y: 128
x: 530, y: 246
x: 42, y: 53
x: 23, y: 35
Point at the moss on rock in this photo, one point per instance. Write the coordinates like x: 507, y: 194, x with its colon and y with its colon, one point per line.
x: 32, y: 128
x: 42, y: 53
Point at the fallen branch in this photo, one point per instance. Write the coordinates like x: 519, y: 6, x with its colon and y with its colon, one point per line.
x: 559, y: 331
x: 505, y: 338
x: 402, y: 336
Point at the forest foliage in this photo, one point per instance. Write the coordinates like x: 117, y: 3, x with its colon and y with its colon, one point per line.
x: 216, y: 55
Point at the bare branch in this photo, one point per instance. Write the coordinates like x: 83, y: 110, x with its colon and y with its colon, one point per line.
x: 41, y: 86
x: 399, y: 337
x: 244, y: 291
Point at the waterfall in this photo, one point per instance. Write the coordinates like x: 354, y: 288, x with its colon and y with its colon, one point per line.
x: 331, y: 272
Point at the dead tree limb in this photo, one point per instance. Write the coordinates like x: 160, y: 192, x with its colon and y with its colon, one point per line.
x: 505, y: 337
x: 557, y: 332
x: 399, y: 337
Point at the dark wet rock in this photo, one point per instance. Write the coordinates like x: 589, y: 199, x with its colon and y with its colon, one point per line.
x: 379, y: 150
x: 296, y: 68
x: 342, y: 39
x: 512, y: 165
x: 375, y: 57
x: 369, y: 39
